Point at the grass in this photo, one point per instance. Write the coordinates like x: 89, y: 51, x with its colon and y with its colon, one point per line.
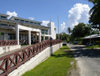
x: 56, y: 65
x: 93, y: 46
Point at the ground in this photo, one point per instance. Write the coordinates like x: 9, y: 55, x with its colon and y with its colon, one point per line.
x: 88, y: 60
x: 58, y: 64
x: 62, y: 63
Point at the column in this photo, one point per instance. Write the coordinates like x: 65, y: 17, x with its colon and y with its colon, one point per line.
x: 5, y: 36
x: 43, y: 37
x: 48, y: 37
x: 17, y: 34
x: 36, y: 37
x: 39, y: 36
x: 29, y: 37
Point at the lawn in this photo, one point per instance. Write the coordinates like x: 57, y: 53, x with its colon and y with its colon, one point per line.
x: 57, y: 65
x: 93, y: 46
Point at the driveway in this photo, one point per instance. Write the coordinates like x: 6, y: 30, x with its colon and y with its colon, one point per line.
x: 88, y: 60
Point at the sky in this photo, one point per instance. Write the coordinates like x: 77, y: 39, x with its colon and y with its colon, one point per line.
x: 69, y: 12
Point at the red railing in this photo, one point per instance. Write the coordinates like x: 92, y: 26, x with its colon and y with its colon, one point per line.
x: 8, y: 42
x: 11, y: 61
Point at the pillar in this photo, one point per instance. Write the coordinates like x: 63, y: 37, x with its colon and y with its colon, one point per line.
x: 48, y: 37
x: 5, y: 36
x: 35, y: 36
x: 17, y: 34
x: 29, y: 37
x: 39, y: 36
x: 43, y: 38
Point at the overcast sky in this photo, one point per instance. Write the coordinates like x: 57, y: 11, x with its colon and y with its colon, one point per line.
x: 70, y: 12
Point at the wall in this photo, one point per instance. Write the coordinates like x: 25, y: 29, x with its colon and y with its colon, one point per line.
x: 52, y: 30
x: 33, y: 62
x: 4, y: 49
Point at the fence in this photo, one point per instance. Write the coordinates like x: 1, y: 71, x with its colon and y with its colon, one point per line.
x: 11, y: 61
x: 8, y: 42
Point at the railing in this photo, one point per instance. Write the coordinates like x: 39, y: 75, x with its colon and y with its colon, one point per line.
x: 11, y: 61
x: 8, y: 42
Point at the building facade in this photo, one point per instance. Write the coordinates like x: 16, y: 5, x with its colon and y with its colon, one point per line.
x: 25, y: 31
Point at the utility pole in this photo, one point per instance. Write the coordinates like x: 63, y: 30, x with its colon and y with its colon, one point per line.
x: 58, y: 27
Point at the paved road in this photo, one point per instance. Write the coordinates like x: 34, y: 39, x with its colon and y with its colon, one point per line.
x: 88, y: 60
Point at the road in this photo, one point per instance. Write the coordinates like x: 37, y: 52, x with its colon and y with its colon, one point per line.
x: 88, y: 61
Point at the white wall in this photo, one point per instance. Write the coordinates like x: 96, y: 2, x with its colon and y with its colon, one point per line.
x: 52, y: 30
x: 4, y: 49
x: 33, y: 62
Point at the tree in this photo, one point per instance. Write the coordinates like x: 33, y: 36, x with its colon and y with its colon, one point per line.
x: 69, y: 30
x: 81, y: 30
x: 63, y: 36
x: 95, y: 14
x: 93, y: 1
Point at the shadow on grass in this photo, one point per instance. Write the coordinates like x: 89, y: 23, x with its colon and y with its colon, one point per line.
x: 64, y: 48
x: 79, y: 52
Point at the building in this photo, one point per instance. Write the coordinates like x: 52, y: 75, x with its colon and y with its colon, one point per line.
x: 25, y: 31
x: 92, y: 39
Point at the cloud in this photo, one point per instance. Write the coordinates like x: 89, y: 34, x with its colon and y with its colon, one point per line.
x: 44, y: 23
x: 31, y: 18
x: 63, y: 27
x: 78, y: 13
x: 11, y: 14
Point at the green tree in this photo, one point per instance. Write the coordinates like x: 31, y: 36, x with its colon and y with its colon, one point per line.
x: 95, y: 14
x: 81, y: 30
x: 63, y: 36
x: 69, y: 30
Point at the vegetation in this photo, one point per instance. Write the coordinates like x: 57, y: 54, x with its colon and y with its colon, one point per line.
x: 81, y: 30
x: 63, y: 36
x: 56, y: 65
x: 95, y: 14
x: 69, y: 30
x: 93, y: 46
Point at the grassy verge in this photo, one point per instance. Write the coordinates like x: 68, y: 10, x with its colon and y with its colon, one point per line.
x: 56, y: 65
x: 93, y: 46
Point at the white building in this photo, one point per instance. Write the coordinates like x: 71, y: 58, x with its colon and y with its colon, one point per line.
x: 25, y: 31
x: 52, y: 30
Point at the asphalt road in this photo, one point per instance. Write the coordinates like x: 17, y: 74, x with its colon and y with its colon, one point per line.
x: 88, y: 61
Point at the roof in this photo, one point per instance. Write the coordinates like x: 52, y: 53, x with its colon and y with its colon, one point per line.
x: 92, y: 36
x: 24, y: 19
x: 11, y: 21
x: 4, y: 15
x: 29, y: 25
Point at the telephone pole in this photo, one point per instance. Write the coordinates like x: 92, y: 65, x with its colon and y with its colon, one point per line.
x: 58, y: 27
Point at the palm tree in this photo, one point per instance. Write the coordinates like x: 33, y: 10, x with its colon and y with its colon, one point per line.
x: 95, y: 14
x: 69, y: 30
x: 93, y: 1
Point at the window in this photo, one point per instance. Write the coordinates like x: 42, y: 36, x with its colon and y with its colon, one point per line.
x: 38, y: 23
x: 43, y: 31
x: 31, y: 22
x: 22, y: 21
x: 3, y: 24
x: 12, y: 36
x: 16, y: 19
x: 3, y: 17
x: 26, y: 21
